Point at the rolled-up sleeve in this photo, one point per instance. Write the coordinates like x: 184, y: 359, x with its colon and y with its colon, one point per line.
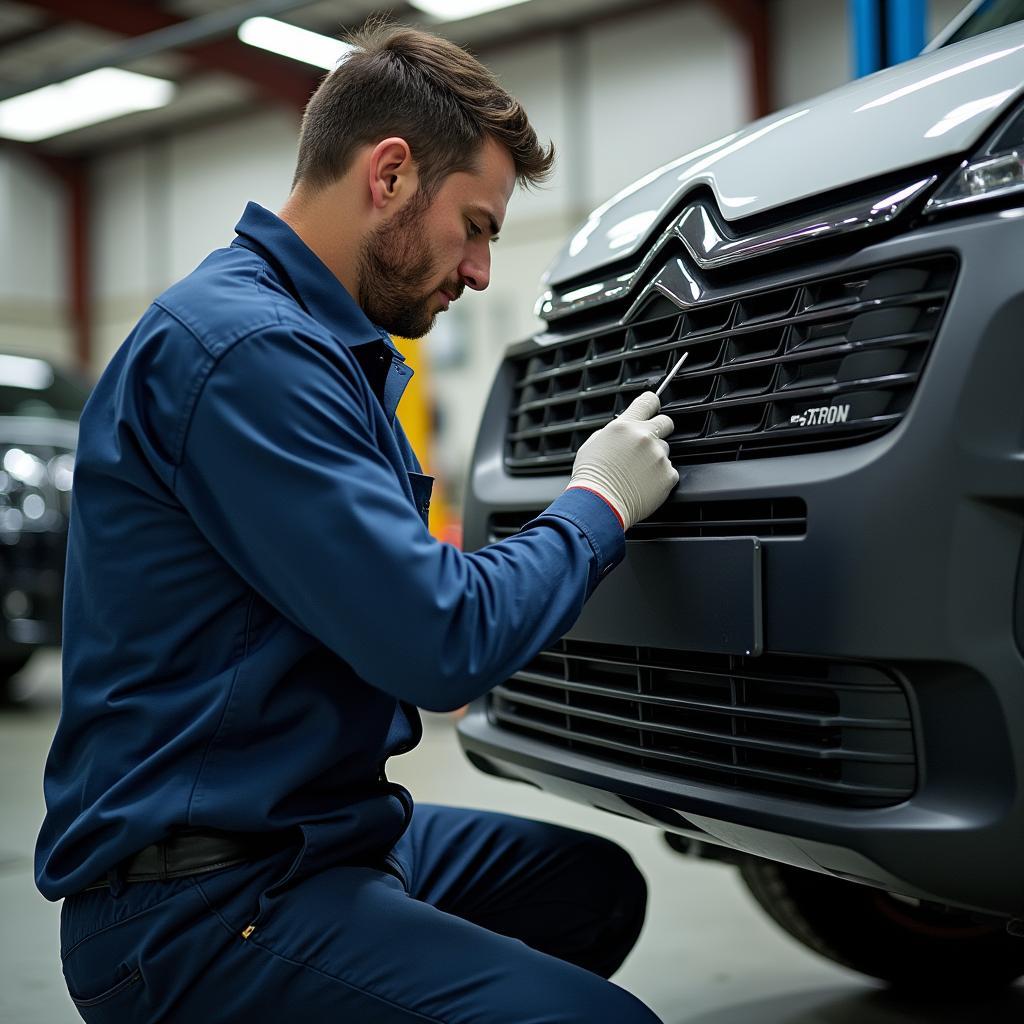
x: 282, y: 473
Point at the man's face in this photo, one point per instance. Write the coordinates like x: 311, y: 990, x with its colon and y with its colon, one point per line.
x: 423, y: 257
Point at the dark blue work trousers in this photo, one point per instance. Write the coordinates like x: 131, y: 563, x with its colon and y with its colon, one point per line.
x: 475, y: 918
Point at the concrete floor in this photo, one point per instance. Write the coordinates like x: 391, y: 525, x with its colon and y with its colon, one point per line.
x: 707, y: 955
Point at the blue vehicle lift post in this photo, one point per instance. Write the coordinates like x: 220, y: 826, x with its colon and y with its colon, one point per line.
x: 886, y: 32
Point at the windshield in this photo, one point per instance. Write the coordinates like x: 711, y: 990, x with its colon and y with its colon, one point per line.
x: 987, y: 16
x: 34, y: 387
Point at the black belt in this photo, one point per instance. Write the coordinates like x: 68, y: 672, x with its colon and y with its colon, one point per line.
x: 191, y: 853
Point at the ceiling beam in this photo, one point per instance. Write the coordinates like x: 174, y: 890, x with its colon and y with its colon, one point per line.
x: 152, y: 30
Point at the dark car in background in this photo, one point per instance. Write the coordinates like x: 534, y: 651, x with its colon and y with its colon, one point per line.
x: 811, y: 661
x: 39, y: 409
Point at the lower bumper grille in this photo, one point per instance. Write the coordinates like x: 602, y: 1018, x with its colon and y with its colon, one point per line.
x: 758, y: 517
x: 825, y: 731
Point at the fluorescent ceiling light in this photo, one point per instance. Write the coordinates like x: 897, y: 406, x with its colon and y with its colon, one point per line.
x: 86, y: 99
x: 455, y: 10
x: 292, y: 41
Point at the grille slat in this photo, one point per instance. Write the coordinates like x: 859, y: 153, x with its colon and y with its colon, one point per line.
x: 823, y: 363
x: 823, y: 753
x: 809, y: 729
x: 845, y: 348
x: 792, y: 717
x: 883, y: 794
x: 739, y: 331
x: 795, y: 394
x: 710, y: 448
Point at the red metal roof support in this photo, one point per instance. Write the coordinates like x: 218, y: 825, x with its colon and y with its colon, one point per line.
x: 750, y: 18
x: 73, y: 174
x: 76, y: 182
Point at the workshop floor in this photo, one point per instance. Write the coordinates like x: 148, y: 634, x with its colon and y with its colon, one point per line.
x: 707, y: 954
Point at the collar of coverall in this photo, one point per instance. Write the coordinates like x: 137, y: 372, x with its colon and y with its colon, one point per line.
x: 322, y: 295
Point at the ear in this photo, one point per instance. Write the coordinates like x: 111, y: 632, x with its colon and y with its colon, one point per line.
x: 392, y: 173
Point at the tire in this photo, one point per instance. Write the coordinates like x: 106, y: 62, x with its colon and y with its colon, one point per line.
x: 9, y: 667
x: 910, y: 945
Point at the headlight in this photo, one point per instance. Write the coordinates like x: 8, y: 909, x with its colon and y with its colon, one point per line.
x: 997, y: 170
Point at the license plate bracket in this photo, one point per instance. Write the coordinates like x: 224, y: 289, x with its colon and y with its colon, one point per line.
x: 690, y: 594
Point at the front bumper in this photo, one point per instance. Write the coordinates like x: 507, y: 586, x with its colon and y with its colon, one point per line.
x: 31, y: 590
x: 912, y: 559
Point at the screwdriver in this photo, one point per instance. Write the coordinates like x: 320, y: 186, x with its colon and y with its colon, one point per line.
x: 665, y: 383
x: 675, y: 369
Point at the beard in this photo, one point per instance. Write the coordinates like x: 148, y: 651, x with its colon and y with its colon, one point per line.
x: 395, y: 271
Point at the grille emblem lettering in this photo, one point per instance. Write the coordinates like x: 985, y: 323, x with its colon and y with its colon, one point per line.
x: 822, y: 414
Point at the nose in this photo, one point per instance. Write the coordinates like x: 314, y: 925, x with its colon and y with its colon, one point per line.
x: 475, y: 270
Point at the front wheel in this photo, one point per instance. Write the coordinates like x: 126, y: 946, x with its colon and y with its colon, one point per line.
x: 909, y: 944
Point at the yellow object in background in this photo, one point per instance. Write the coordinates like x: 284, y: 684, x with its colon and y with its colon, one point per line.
x: 417, y: 416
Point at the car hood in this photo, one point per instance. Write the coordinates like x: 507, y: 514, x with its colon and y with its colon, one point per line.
x: 16, y: 430
x: 935, y: 106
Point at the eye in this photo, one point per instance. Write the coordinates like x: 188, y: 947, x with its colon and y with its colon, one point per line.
x: 473, y: 229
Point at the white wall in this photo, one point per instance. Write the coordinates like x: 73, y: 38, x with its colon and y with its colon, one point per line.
x: 658, y: 87
x: 162, y: 206
x: 811, y: 48
x: 33, y: 261
x: 212, y: 173
x: 124, y: 248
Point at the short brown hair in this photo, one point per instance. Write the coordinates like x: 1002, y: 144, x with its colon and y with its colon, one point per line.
x: 425, y: 89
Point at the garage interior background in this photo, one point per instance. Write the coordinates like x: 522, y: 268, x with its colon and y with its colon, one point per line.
x: 98, y: 221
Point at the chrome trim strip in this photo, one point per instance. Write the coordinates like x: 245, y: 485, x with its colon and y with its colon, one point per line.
x: 709, y: 249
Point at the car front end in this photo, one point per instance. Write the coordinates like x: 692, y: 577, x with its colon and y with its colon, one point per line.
x: 813, y: 651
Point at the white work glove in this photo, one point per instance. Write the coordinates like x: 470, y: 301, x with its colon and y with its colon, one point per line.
x: 626, y: 462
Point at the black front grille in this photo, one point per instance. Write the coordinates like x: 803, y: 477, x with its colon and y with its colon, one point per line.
x: 819, y: 364
x: 832, y: 732
x: 758, y: 517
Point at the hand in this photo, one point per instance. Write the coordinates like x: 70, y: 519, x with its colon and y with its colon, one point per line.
x: 627, y: 463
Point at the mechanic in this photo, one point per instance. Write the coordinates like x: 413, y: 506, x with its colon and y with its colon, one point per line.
x: 255, y: 608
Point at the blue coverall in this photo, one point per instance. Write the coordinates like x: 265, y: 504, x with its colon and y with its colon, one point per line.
x: 254, y: 608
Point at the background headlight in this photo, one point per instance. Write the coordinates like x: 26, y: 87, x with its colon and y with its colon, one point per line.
x: 33, y: 506
x: 997, y: 170
x: 61, y: 470
x: 35, y: 491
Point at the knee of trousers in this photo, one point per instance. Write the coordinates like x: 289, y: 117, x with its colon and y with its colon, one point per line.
x: 624, y: 895
x: 623, y: 882
x: 602, y: 1002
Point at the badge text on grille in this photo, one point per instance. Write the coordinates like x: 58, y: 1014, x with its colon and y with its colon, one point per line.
x: 821, y: 414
